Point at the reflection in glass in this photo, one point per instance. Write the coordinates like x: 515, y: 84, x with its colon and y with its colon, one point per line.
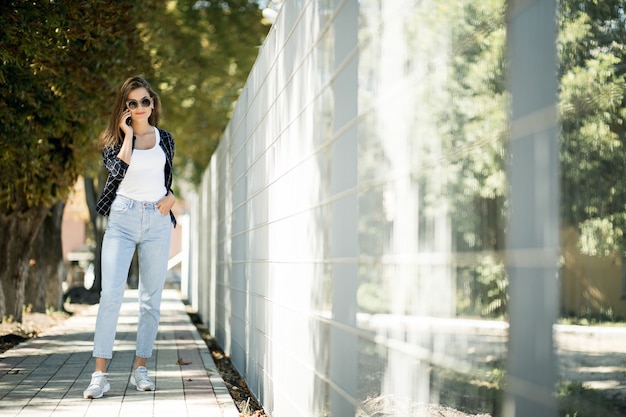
x: 433, y: 289
x: 593, y: 208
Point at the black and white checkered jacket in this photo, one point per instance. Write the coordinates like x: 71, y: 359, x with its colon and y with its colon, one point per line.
x: 117, y: 170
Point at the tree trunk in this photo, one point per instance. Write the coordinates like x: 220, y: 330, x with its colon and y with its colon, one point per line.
x: 20, y: 230
x: 43, y: 288
x: 98, y: 223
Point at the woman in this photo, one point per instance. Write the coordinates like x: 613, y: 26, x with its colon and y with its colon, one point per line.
x: 138, y: 199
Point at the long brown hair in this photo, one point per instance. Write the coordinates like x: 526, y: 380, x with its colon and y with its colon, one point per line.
x: 112, y: 135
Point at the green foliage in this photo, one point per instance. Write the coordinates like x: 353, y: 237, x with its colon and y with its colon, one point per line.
x: 59, y: 63
x: 591, y: 110
x: 593, y: 317
x: 591, y: 45
x: 63, y: 61
x: 577, y: 401
x: 202, y: 53
x: 478, y: 123
x: 482, y: 289
x: 601, y: 236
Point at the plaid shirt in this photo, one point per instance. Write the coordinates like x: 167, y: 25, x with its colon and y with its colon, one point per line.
x: 117, y: 170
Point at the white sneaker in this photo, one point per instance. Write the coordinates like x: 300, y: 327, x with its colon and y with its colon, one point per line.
x: 139, y: 378
x: 98, y: 386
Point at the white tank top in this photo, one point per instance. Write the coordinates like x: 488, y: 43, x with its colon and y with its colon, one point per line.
x: 145, y: 177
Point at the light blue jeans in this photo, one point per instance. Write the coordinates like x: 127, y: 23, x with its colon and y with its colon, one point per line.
x: 132, y: 225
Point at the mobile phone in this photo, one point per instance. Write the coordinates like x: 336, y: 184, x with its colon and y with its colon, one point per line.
x: 128, y: 121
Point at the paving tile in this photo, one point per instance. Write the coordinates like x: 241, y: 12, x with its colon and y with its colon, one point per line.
x: 47, y: 375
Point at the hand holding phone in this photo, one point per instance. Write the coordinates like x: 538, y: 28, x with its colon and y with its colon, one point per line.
x: 126, y: 122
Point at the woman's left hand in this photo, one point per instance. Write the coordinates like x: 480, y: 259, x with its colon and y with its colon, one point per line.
x: 165, y: 204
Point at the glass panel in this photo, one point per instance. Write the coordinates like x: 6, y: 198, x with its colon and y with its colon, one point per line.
x: 591, y: 337
x: 432, y: 185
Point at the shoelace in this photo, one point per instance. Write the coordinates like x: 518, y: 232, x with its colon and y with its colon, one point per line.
x: 143, y: 374
x: 97, y: 380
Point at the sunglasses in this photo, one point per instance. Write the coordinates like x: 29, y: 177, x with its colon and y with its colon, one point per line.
x: 133, y: 104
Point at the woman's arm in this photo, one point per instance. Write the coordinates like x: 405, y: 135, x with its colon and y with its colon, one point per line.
x: 117, y: 167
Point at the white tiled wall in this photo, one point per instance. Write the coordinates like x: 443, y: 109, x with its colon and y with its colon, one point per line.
x: 323, y: 240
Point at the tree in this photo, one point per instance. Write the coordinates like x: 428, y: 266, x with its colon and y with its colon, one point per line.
x: 202, y: 52
x: 476, y: 125
x: 60, y: 62
x: 591, y: 47
x: 592, y: 41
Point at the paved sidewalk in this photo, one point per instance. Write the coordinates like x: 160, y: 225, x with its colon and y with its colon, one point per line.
x: 46, y: 376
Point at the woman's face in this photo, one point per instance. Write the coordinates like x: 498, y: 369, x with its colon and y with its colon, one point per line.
x: 140, y: 104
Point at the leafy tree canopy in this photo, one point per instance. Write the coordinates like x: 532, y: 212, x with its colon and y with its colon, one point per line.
x: 201, y: 52
x: 592, y: 38
x: 60, y: 64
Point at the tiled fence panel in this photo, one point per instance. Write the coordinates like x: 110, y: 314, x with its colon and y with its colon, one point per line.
x: 347, y: 242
